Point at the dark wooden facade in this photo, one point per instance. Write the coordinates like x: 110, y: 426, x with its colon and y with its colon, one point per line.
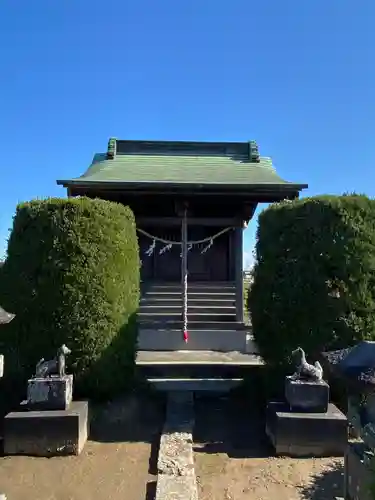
x: 214, y: 264
x: 160, y: 215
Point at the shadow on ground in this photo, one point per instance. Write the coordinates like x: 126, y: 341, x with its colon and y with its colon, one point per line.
x: 150, y: 490
x: 133, y: 418
x: 230, y: 425
x: 327, y: 485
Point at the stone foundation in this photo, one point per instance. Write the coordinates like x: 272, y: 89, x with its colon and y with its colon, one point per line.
x: 47, y: 433
x: 306, y: 434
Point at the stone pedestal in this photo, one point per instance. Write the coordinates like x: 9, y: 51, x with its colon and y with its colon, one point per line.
x: 306, y: 434
x: 47, y: 433
x: 306, y: 395
x: 53, y: 393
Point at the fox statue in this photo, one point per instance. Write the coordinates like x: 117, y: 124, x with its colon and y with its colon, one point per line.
x: 55, y: 366
x: 304, y: 370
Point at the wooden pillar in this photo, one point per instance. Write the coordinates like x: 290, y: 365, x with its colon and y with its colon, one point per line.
x: 230, y: 256
x: 238, y: 264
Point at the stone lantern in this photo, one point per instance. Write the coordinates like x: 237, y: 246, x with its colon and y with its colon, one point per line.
x: 355, y: 367
x: 5, y: 318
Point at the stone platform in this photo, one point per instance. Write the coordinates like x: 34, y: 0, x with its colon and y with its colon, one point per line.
x: 196, y: 371
x: 47, y: 433
x: 306, y: 434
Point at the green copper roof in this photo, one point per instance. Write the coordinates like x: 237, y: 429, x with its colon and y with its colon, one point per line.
x: 161, y: 162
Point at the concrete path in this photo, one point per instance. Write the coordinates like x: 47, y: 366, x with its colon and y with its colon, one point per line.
x: 176, y: 474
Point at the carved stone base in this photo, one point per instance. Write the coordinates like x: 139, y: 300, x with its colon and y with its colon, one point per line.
x: 311, y: 396
x: 47, y: 433
x: 53, y: 393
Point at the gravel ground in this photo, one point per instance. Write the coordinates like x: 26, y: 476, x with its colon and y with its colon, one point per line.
x: 119, y: 461
x: 234, y: 461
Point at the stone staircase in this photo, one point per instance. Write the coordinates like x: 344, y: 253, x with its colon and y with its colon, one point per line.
x: 171, y: 364
x: 209, y: 371
x: 207, y: 302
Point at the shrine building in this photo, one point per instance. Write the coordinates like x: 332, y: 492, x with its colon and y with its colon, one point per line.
x: 191, y: 202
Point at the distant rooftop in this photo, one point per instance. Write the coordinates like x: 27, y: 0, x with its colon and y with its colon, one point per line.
x: 128, y: 162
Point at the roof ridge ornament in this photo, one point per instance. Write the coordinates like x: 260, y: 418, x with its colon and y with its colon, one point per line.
x: 112, y: 148
x: 254, y: 152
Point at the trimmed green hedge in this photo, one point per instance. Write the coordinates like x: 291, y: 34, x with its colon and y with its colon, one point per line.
x: 314, y: 277
x: 72, y: 276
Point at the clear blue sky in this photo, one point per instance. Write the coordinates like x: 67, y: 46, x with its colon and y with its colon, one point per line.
x: 297, y: 76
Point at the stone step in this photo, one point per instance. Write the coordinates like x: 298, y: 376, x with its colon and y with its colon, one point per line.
x: 190, y: 291
x: 177, y: 316
x: 173, y: 365
x: 203, y: 358
x: 212, y: 288
x: 198, y: 384
x: 210, y: 357
x: 199, y: 339
x: 191, y: 303
x: 193, y: 372
x: 170, y: 323
x: 217, y: 299
x: 176, y: 309
x: 197, y: 284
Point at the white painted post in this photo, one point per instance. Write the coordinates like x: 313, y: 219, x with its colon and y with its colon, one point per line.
x: 1, y: 371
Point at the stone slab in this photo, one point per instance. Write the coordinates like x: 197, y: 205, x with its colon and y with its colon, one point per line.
x: 226, y: 340
x: 306, y: 395
x: 52, y: 393
x: 47, y: 433
x: 176, y: 474
x: 212, y: 385
x: 186, y: 357
x: 176, y: 487
x: 306, y: 434
x: 176, y: 455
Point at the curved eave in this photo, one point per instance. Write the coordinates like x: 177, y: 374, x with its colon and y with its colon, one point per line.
x: 161, y: 185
